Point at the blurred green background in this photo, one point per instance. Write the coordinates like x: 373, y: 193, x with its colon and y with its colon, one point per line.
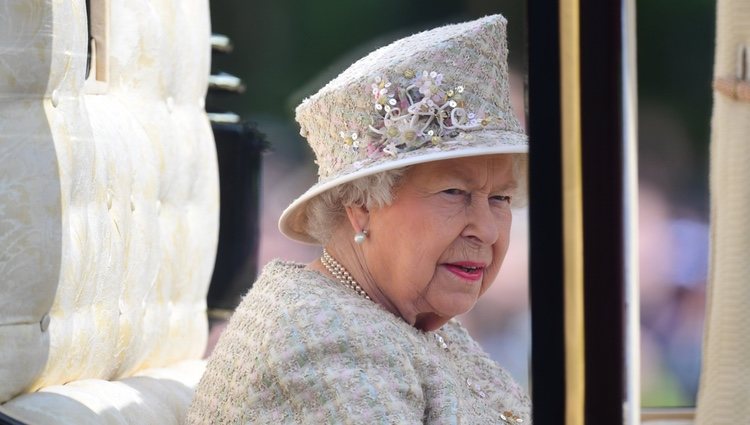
x: 287, y: 49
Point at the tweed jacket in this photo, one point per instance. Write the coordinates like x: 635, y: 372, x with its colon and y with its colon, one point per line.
x: 302, y: 348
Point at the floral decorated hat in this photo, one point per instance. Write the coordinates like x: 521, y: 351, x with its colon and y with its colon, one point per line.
x: 435, y: 95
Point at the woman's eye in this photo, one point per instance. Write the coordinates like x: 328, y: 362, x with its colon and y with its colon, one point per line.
x: 453, y: 191
x: 502, y: 198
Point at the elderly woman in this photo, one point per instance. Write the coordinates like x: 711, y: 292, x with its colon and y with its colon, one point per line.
x: 420, y: 159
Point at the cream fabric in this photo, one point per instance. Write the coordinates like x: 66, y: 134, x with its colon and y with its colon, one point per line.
x: 108, y: 199
x: 30, y: 211
x: 725, y: 380
x: 154, y: 396
x: 304, y: 349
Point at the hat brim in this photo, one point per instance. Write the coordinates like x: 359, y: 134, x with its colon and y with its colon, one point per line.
x: 293, y: 221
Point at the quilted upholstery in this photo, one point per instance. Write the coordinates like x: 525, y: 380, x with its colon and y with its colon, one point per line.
x: 153, y: 396
x: 108, y: 198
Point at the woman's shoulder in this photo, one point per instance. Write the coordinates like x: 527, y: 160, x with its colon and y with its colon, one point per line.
x: 279, y: 275
x: 304, y: 345
x: 285, y: 287
x: 291, y: 301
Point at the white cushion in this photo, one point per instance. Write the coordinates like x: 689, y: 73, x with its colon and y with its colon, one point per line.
x: 155, y: 396
x: 108, y: 201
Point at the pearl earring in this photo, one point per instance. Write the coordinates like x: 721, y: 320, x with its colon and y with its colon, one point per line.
x: 360, y: 237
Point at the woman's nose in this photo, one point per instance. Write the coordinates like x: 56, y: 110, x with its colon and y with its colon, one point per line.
x: 482, y: 224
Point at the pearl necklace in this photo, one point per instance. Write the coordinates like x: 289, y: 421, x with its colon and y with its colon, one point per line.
x: 341, y: 274
x: 338, y: 271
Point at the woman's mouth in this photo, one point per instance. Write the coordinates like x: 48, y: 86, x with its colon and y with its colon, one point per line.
x: 467, y: 270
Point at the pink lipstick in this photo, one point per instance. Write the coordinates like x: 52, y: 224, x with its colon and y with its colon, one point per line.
x: 467, y: 270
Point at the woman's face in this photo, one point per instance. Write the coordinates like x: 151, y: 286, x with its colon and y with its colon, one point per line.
x: 440, y: 244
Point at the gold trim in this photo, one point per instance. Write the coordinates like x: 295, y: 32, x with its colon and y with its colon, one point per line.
x: 570, y: 77
x: 668, y: 414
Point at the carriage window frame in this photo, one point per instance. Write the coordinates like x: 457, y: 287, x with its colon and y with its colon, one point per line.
x: 566, y: 41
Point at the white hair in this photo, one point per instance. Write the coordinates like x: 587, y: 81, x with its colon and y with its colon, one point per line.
x: 326, y: 211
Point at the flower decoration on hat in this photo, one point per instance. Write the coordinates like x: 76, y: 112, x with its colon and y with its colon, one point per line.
x: 350, y: 139
x: 420, y: 113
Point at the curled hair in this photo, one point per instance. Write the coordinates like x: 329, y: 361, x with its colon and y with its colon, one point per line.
x: 520, y: 174
x: 326, y: 211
